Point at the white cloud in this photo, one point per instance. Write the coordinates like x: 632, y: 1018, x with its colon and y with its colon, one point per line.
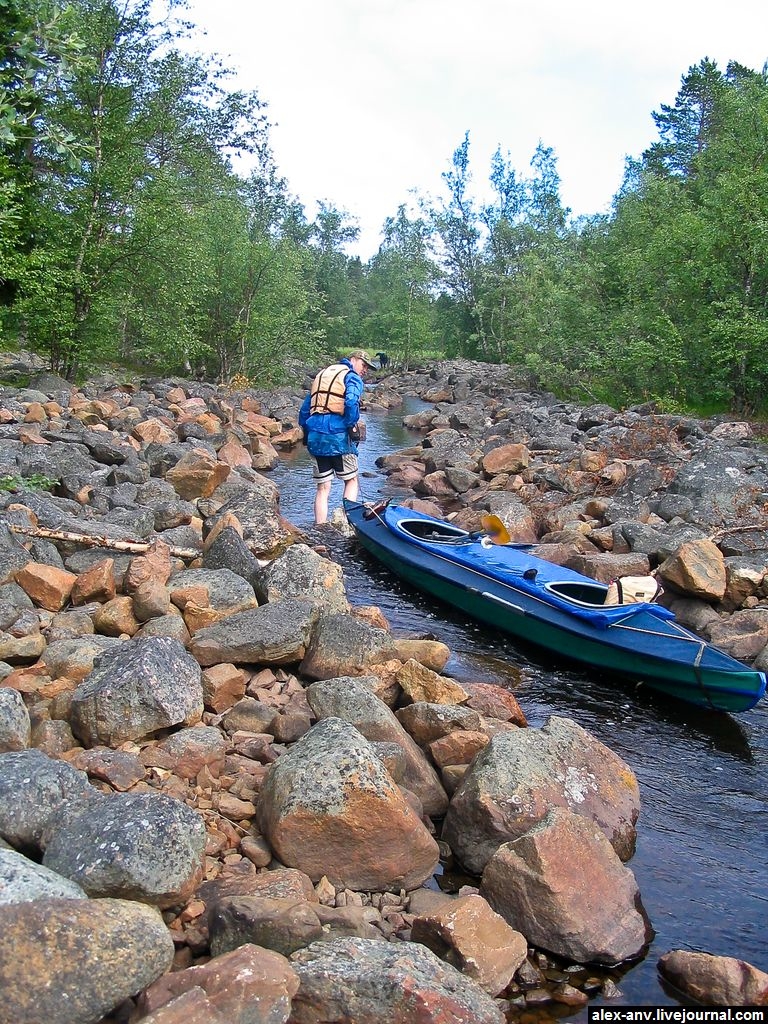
x: 369, y: 98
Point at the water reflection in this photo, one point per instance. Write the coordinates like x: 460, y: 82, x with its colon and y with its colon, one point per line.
x: 701, y: 851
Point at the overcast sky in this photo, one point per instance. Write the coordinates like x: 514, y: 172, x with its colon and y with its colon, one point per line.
x: 369, y: 98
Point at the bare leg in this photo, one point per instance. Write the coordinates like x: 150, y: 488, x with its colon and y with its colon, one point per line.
x: 321, y: 502
x: 352, y: 488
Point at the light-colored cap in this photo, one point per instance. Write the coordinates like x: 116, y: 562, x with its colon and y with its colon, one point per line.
x: 364, y: 357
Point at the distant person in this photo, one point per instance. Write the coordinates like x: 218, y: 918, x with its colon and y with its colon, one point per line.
x: 383, y: 359
x: 327, y: 415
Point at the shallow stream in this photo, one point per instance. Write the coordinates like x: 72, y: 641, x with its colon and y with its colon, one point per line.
x: 702, y: 851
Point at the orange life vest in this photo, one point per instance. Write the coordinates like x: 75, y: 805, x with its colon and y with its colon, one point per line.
x: 327, y: 391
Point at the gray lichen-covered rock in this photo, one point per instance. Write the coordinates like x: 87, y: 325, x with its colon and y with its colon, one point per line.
x: 67, y: 961
x: 255, y: 505
x: 275, y: 634
x: 13, y: 556
x: 522, y: 773
x: 15, y: 727
x: 227, y: 591
x: 345, y: 645
x: 723, y: 481
x: 13, y: 601
x: 228, y: 550
x: 354, y: 979
x: 35, y: 790
x: 329, y: 807
x: 301, y: 572
x: 140, y: 846
x: 21, y: 880
x: 348, y: 699
x: 139, y: 687
x: 74, y: 657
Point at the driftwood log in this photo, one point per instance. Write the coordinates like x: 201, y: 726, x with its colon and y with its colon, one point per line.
x: 135, y: 546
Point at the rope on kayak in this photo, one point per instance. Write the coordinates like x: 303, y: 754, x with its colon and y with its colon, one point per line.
x: 696, y: 666
x: 621, y: 624
x: 699, y: 678
x: 374, y: 510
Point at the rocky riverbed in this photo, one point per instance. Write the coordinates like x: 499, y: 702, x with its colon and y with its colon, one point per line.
x: 226, y: 794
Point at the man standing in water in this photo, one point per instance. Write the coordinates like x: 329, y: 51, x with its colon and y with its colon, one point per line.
x: 327, y: 414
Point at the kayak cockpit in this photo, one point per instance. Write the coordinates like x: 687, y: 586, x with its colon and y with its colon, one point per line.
x: 434, y: 532
x: 585, y: 593
x: 587, y: 600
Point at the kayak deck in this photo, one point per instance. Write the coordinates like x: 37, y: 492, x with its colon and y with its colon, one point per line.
x: 509, y: 588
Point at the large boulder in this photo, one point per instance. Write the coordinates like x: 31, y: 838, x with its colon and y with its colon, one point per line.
x: 139, y: 846
x: 343, y: 645
x: 467, y: 933
x: 96, y: 952
x: 136, y: 689
x: 48, y: 586
x: 13, y: 556
x: 301, y: 572
x: 254, y: 502
x: 74, y: 658
x: 227, y: 592
x: 744, y: 634
x: 15, y: 725
x: 274, y: 634
x: 745, y: 575
x: 329, y: 807
x: 280, y: 923
x: 563, y: 886
x: 373, y: 980
x: 352, y: 701
x: 22, y: 879
x: 449, y: 447
x: 724, y: 483
x: 715, y: 980
x: 426, y: 721
x: 697, y: 569
x: 36, y: 790
x: 228, y: 550
x: 197, y: 474
x: 522, y: 773
x: 506, y: 458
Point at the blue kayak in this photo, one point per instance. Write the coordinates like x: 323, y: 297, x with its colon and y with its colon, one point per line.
x: 509, y: 588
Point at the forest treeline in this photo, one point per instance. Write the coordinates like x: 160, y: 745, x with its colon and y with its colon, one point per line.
x: 130, y: 233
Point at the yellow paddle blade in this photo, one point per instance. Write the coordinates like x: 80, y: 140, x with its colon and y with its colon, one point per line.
x: 495, y: 529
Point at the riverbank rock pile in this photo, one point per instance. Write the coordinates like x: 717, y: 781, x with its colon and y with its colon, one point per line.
x: 226, y: 794
x: 605, y: 492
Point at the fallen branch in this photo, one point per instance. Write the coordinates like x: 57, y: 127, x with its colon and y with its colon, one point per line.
x: 134, y: 546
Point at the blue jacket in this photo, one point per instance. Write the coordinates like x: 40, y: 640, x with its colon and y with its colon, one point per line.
x: 327, y: 432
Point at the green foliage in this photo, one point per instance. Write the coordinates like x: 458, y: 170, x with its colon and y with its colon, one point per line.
x: 157, y: 126
x: 400, y: 317
x: 34, y: 482
x: 666, y: 299
x: 688, y: 246
x: 125, y: 233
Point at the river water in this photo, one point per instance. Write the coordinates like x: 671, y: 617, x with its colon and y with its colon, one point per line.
x: 702, y: 849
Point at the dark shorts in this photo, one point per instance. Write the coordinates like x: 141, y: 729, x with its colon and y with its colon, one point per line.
x: 344, y: 467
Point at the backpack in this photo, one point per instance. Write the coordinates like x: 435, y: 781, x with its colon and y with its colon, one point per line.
x: 633, y: 590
